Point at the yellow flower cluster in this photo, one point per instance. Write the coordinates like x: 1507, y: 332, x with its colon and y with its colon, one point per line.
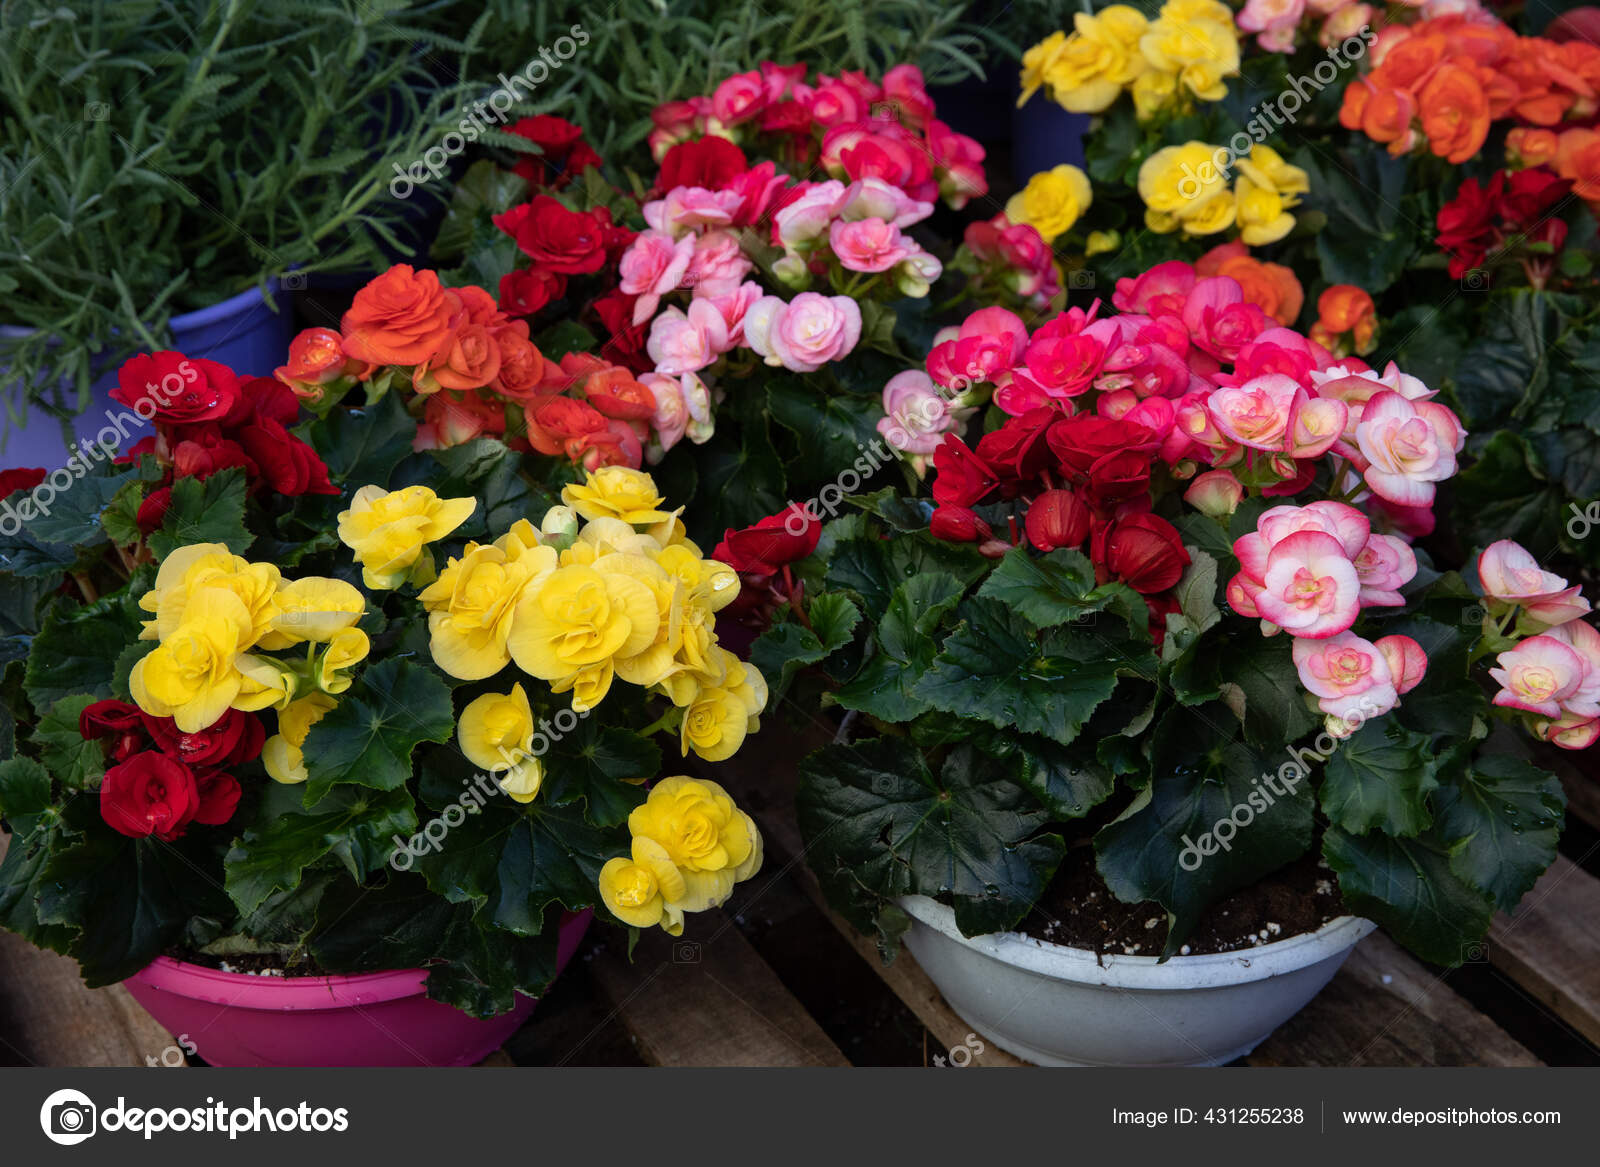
x: 624, y: 596
x: 1052, y: 201
x: 389, y: 532
x: 216, y: 616
x: 1166, y: 63
x: 1187, y: 187
x: 691, y: 844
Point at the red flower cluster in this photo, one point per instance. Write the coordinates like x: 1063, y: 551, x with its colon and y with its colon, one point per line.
x: 761, y: 555
x: 209, y: 419
x: 852, y: 126
x: 563, y: 154
x: 165, y: 780
x: 1512, y: 207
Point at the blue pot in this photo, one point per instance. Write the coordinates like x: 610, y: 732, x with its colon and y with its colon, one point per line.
x: 1043, y: 136
x: 242, y: 333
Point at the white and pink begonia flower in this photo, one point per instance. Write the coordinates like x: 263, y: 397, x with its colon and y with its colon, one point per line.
x: 1356, y: 386
x: 1569, y: 731
x: 916, y: 273
x: 691, y: 208
x: 653, y: 266
x: 1349, y: 676
x: 1540, y: 674
x: 671, y: 417
x: 686, y: 342
x: 869, y: 245
x: 1509, y: 573
x: 917, y: 414
x: 806, y: 218
x: 1273, y: 412
x: 1310, y: 587
x: 1216, y: 493
x: 804, y: 334
x: 1408, y: 447
x: 1384, y: 566
x: 717, y: 265
x: 1408, y: 664
x: 873, y: 198
x: 1585, y: 642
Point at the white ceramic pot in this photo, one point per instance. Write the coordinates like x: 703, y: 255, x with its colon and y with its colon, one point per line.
x: 1060, y: 1006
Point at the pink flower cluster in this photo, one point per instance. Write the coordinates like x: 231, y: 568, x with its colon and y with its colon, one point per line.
x: 1276, y: 23
x: 1010, y: 257
x: 1553, y: 674
x: 852, y: 126
x: 861, y: 227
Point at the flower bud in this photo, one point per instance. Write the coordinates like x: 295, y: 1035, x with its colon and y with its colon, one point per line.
x: 958, y: 525
x: 559, y: 528
x: 1057, y: 518
x: 1216, y: 493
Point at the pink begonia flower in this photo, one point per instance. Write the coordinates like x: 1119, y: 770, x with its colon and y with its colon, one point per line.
x: 918, y: 415
x: 1344, y: 524
x: 833, y: 104
x: 1349, y: 676
x: 904, y: 87
x: 1355, y: 387
x: 1408, y: 664
x: 959, y: 162
x: 807, y: 217
x: 873, y: 198
x: 691, y: 208
x: 739, y: 98
x: 653, y: 265
x: 1216, y: 493
x: 1255, y: 414
x: 1310, y: 587
x: 868, y: 245
x: 781, y: 80
x: 1510, y: 573
x: 717, y: 265
x: 804, y: 334
x: 1569, y: 731
x: 733, y: 306
x: 1219, y: 320
x: 687, y: 342
x: 1161, y: 291
x: 671, y: 417
x: 1384, y: 566
x: 1065, y: 366
x: 997, y: 321
x: 756, y: 188
x: 1585, y: 641
x: 1408, y: 446
x: 1538, y: 675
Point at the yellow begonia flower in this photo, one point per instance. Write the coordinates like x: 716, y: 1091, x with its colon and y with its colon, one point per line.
x: 1192, y: 41
x: 711, y: 842
x: 283, y: 754
x: 1207, y: 218
x: 171, y: 580
x: 637, y: 890
x: 1153, y: 91
x: 255, y: 585
x: 580, y: 617
x: 472, y: 603
x: 1052, y: 201
x: 389, y: 531
x: 617, y: 492
x: 346, y: 649
x: 1102, y: 241
x: 496, y: 733
x: 1099, y: 59
x: 190, y: 675
x: 264, y: 683
x: 588, y: 686
x: 720, y: 716
x: 313, y: 608
x: 1036, y: 63
x: 1266, y: 167
x: 1260, y: 214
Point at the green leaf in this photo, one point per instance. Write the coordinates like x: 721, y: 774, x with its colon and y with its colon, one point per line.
x: 208, y: 511
x: 368, y: 737
x: 1068, y: 785
x: 784, y: 649
x: 873, y: 568
x: 878, y: 825
x: 884, y: 688
x: 73, y: 517
x: 834, y: 434
x: 1275, y: 713
x: 72, y: 761
x: 995, y: 667
x: 1380, y: 777
x: 1059, y: 588
x: 120, y: 520
x: 1216, y: 817
x: 362, y: 446
x: 1502, y: 818
x: 75, y: 651
x: 24, y: 793
x: 1409, y: 887
x: 355, y: 825
x: 602, y: 766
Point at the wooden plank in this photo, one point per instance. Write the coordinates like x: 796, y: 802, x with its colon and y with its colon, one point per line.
x: 1551, y: 945
x: 48, y: 1018
x: 1383, y: 1008
x: 708, y: 999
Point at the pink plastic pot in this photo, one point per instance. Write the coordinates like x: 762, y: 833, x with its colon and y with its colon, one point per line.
x: 372, y: 1019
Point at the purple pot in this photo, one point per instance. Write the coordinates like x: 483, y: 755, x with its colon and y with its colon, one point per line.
x: 242, y: 333
x: 371, y: 1019
x: 1043, y: 136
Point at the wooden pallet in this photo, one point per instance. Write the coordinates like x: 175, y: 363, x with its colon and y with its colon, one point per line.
x: 742, y: 987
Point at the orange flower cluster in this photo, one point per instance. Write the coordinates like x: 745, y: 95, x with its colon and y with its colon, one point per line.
x: 1443, y: 81
x: 475, y: 372
x: 1574, y: 153
x: 1347, y: 320
x: 1269, y: 286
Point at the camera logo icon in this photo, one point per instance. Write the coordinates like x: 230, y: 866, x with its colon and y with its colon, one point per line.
x: 67, y: 1117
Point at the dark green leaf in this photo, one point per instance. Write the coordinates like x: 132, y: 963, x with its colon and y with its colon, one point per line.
x: 205, y: 511
x: 73, y: 762
x: 1380, y: 777
x: 1502, y: 818
x: 368, y: 737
